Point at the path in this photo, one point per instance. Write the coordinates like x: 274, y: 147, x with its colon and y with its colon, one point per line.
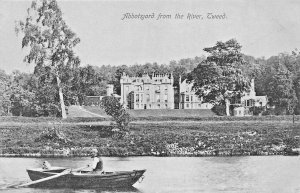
x: 79, y: 111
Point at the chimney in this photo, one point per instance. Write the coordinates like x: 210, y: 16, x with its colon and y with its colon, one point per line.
x: 109, y: 89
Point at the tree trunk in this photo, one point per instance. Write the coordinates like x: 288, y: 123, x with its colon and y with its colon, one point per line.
x: 61, y: 99
x: 227, y: 102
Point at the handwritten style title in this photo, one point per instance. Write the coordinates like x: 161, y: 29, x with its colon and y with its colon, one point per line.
x: 177, y: 16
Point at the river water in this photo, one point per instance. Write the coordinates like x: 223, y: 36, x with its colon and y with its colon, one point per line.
x: 175, y: 174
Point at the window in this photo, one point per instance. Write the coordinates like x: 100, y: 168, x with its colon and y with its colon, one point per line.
x: 166, y: 98
x: 182, y: 98
x: 158, y: 105
x: 192, y: 98
x: 166, y: 87
x: 166, y: 105
x: 148, y: 97
x: 248, y: 103
x: 187, y: 98
x: 137, y: 106
x: 157, y: 98
x: 141, y: 98
x: 187, y: 106
x: 137, y: 98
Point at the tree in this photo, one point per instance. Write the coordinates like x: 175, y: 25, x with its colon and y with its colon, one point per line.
x: 21, y: 95
x: 4, y: 93
x: 281, y: 93
x: 51, y: 42
x: 114, y: 108
x: 220, y: 78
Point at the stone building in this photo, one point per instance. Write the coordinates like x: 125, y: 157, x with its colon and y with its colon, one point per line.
x: 248, y: 100
x: 95, y: 100
x: 188, y: 98
x: 147, y: 92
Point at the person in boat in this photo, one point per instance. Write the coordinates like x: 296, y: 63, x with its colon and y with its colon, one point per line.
x: 97, y: 165
x: 46, y: 165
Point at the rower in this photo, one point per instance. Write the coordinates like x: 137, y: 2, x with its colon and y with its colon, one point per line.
x: 46, y: 165
x: 97, y: 164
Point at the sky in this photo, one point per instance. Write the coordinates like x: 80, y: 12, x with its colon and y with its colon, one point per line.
x: 263, y: 27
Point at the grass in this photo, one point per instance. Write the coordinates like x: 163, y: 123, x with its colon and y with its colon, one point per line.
x: 21, y: 135
x: 159, y: 112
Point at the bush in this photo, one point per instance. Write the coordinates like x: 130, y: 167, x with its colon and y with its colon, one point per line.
x: 257, y: 110
x: 114, y: 108
x: 219, y: 110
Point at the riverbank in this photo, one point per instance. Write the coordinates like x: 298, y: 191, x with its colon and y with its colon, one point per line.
x: 46, y: 137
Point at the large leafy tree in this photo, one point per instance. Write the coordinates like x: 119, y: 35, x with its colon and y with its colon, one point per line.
x: 280, y: 89
x: 50, y: 42
x: 220, y: 78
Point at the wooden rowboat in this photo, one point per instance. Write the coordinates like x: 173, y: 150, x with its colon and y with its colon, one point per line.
x: 84, y: 179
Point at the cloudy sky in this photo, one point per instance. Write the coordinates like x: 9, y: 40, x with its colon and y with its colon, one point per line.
x: 263, y: 28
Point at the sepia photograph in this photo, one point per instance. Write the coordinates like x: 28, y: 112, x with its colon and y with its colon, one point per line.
x: 149, y: 96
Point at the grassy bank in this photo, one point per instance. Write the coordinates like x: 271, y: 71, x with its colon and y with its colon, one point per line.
x: 72, y: 120
x: 213, y: 137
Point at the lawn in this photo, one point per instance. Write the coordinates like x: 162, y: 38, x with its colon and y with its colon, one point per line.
x: 181, y: 137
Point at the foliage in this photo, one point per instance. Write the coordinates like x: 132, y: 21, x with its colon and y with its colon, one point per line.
x: 53, y: 135
x: 114, y: 108
x: 51, y: 43
x: 219, y: 109
x: 219, y: 77
x: 147, y: 138
x: 281, y: 93
x: 257, y: 110
x: 4, y: 93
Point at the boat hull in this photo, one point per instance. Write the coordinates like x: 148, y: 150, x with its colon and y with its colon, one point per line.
x: 87, y: 180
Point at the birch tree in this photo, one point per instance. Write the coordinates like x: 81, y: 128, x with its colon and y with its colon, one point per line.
x: 50, y: 42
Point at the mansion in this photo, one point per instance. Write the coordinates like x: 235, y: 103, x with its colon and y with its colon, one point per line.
x: 188, y: 98
x: 155, y: 92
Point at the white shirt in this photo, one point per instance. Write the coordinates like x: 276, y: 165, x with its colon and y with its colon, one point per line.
x: 95, y: 162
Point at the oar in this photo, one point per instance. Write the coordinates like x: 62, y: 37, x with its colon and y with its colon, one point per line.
x: 65, y: 172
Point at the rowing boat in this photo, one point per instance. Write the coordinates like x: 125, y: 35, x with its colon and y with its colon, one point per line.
x: 84, y: 179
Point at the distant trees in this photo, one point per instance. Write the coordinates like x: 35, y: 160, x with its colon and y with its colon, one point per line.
x: 220, y: 77
x: 4, y: 93
x: 281, y: 92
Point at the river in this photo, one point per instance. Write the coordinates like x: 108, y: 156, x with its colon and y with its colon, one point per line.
x: 175, y: 174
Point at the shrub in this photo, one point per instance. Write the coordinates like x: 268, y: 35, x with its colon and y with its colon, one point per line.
x: 114, y: 108
x: 257, y: 110
x: 219, y: 110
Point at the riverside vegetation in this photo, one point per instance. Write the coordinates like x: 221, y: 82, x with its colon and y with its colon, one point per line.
x: 206, y: 136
